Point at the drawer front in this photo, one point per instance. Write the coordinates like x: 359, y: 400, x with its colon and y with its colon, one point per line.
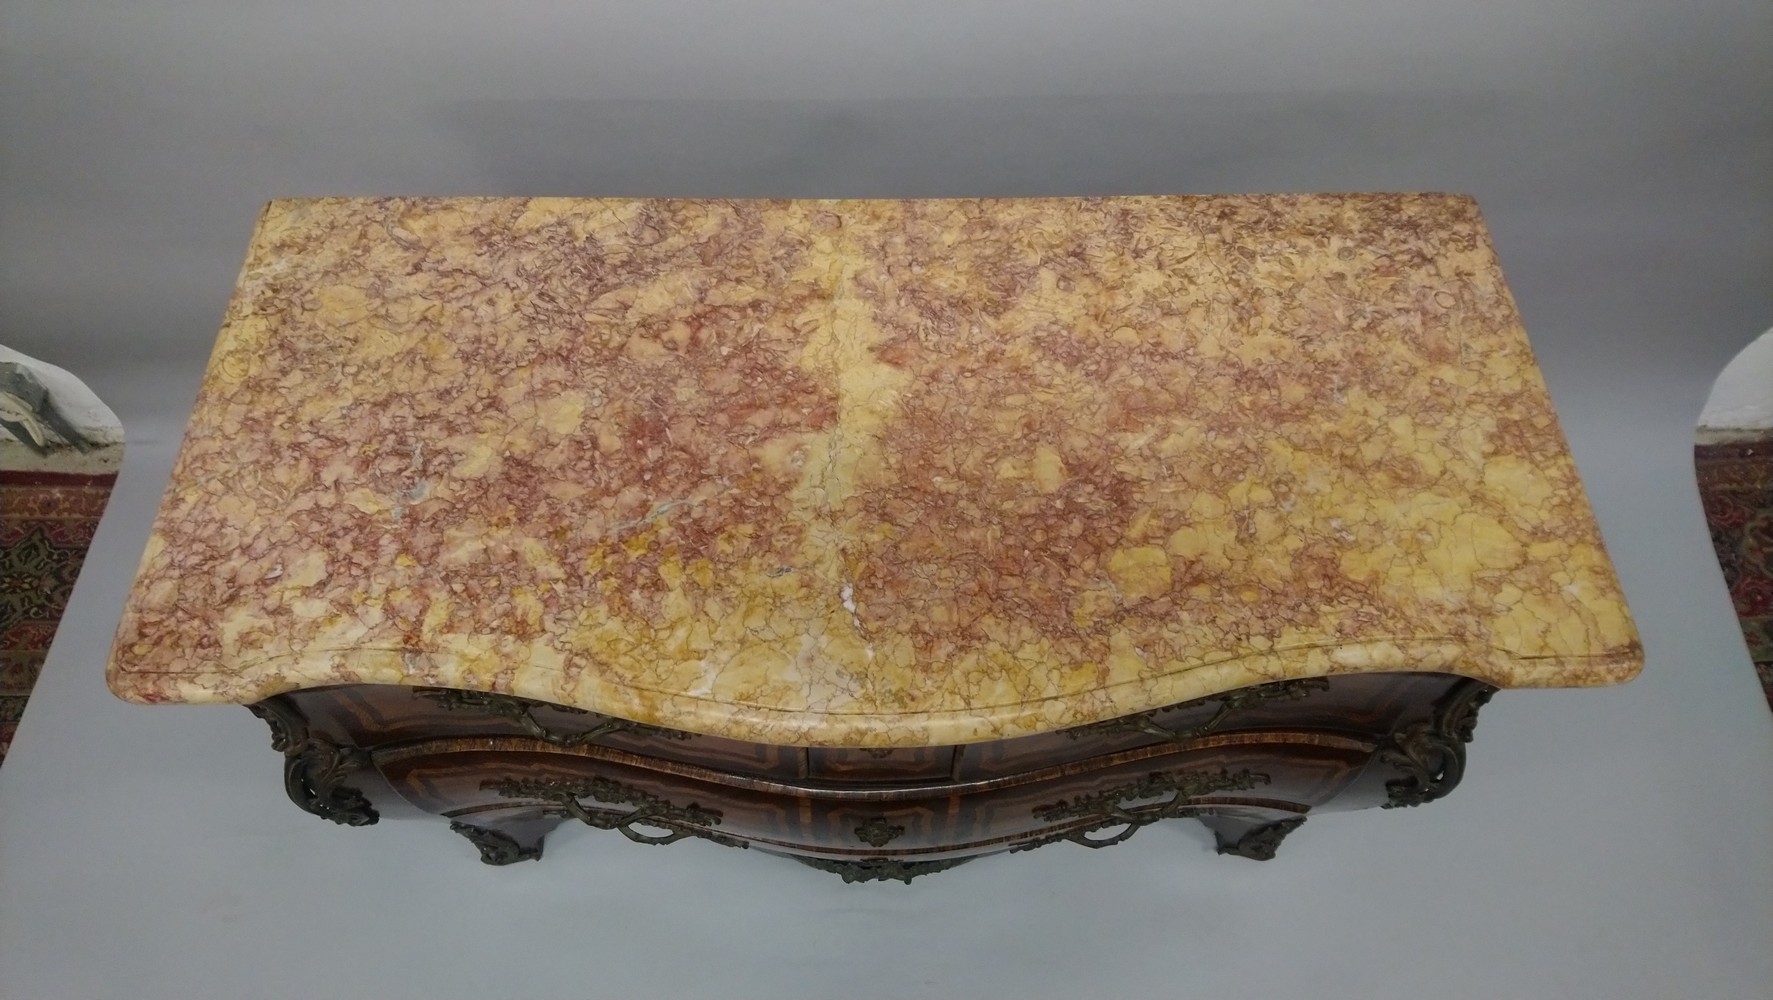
x: 381, y: 715
x: 507, y: 771
x: 1363, y: 706
x: 880, y: 766
x: 465, y: 779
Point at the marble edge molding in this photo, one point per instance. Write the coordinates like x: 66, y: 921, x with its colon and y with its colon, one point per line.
x: 761, y: 723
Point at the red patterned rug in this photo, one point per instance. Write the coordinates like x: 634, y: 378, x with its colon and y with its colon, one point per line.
x: 46, y: 524
x: 1736, y: 487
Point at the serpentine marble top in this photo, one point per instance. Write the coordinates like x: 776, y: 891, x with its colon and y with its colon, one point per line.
x: 869, y: 473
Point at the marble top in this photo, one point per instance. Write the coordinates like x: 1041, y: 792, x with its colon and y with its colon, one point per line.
x: 869, y: 473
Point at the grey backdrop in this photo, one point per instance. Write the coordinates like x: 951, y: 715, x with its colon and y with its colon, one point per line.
x: 1614, y: 843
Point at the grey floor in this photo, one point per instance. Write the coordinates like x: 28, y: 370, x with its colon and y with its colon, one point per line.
x: 1606, y: 843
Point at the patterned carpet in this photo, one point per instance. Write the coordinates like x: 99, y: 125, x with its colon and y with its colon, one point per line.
x: 1736, y: 487
x: 46, y: 523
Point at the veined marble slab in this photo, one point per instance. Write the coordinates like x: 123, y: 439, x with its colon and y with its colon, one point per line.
x: 870, y: 472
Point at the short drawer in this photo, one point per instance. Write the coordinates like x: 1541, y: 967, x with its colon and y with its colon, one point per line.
x: 887, y: 766
x: 372, y: 716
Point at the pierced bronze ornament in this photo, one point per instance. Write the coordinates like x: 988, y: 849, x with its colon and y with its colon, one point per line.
x: 314, y: 769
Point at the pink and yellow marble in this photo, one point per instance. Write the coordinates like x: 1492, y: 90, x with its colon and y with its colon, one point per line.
x: 869, y: 473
